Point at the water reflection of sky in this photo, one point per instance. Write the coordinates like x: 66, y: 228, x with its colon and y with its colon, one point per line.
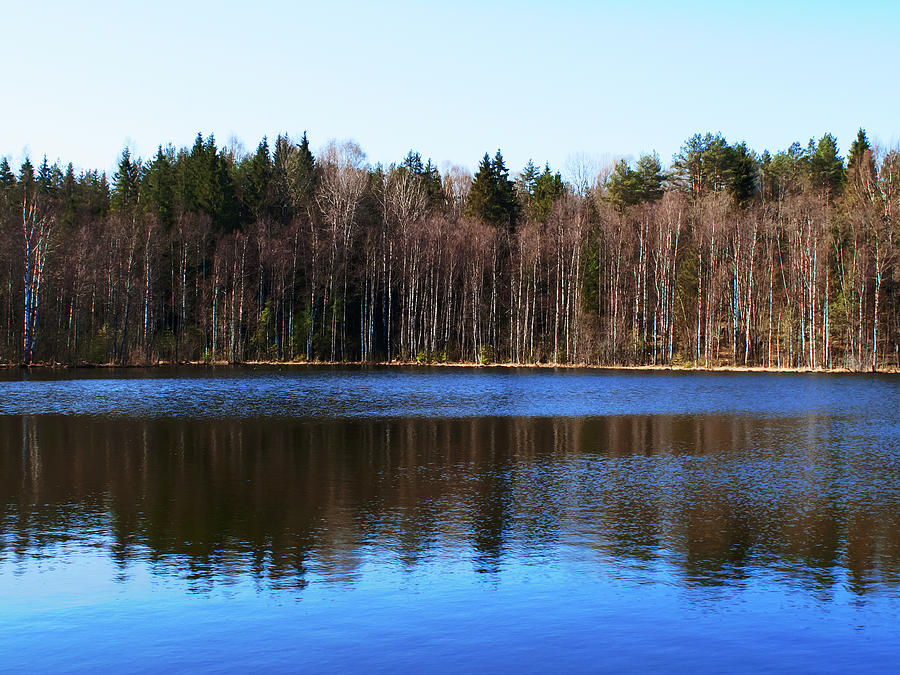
x: 443, y: 392
x: 572, y: 616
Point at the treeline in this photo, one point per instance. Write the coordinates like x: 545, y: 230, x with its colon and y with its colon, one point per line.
x: 203, y: 253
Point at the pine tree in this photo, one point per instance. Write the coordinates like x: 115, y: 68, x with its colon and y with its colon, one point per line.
x: 702, y: 165
x: 650, y: 177
x: 645, y: 183
x: 743, y: 174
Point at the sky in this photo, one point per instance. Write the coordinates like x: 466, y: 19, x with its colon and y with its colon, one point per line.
x: 569, y: 83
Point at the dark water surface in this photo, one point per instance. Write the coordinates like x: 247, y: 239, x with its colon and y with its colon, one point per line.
x: 446, y: 520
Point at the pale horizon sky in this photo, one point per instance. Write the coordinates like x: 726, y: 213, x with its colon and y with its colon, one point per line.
x: 453, y: 81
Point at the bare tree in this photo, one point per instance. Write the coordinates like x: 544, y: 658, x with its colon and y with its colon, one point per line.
x: 38, y: 221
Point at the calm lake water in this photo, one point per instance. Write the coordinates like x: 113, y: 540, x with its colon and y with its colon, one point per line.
x: 445, y: 520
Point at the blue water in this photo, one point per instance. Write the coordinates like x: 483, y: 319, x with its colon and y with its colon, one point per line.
x: 444, y: 520
x: 441, y: 392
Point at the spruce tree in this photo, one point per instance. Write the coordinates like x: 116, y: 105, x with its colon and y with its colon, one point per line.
x: 7, y: 177
x: 525, y: 183
x: 826, y: 167
x: 68, y: 198
x: 126, y: 185
x: 743, y: 174
x: 483, y: 199
x: 434, y: 186
x: 158, y: 186
x: 858, y: 150
x: 548, y: 187
x: 492, y: 197
x: 26, y: 180
x: 255, y: 176
x: 304, y: 178
x: 282, y: 158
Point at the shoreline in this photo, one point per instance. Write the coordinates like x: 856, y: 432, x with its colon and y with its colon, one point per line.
x: 723, y: 368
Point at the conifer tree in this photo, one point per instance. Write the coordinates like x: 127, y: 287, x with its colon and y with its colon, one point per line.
x: 525, y: 182
x: 826, y: 167
x: 303, y: 178
x: 492, y: 197
x: 158, y: 186
x: 548, y: 187
x: 858, y: 150
x: 743, y: 172
x: 622, y: 186
x: 126, y: 184
x: 7, y: 177
x: 650, y: 177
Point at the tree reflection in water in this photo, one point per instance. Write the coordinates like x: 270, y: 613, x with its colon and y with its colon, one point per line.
x: 718, y: 498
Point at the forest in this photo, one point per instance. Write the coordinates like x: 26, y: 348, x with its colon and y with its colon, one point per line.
x: 723, y: 257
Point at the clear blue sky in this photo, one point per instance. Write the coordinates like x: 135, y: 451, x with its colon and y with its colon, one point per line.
x: 452, y: 80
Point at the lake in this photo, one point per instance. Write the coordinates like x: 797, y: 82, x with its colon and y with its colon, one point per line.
x: 443, y: 519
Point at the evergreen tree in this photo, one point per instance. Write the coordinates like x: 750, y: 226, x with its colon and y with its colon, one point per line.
x: 743, y: 174
x: 282, y: 208
x: 506, y: 189
x: 428, y: 174
x: 627, y: 187
x: 783, y: 173
x: 256, y: 176
x: 26, y: 180
x: 199, y: 167
x: 826, y: 167
x: 857, y: 155
x: 7, y: 177
x: 7, y: 189
x: 126, y: 185
x: 492, y: 197
x: 207, y: 184
x: 622, y: 186
x: 69, y: 198
x: 702, y: 165
x: 861, y: 174
x: 413, y: 163
x: 434, y: 186
x: 303, y: 177
x: 227, y: 213
x: 548, y: 187
x: 96, y: 194
x: 158, y: 186
x: 45, y: 177
x: 525, y: 183
x: 650, y: 177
